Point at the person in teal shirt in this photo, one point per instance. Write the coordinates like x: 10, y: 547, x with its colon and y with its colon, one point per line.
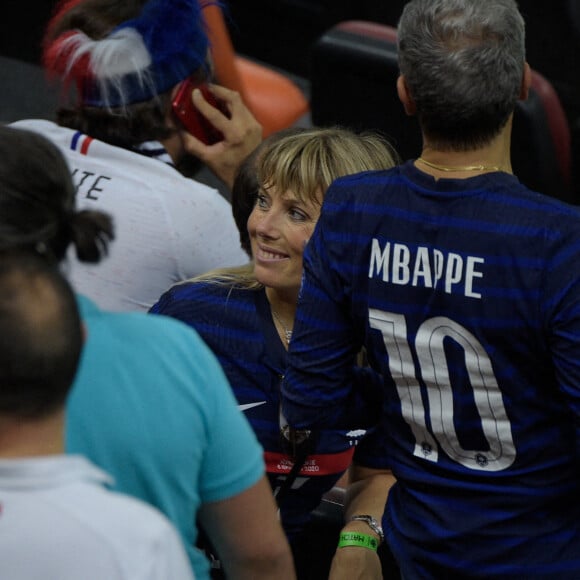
x: 150, y: 403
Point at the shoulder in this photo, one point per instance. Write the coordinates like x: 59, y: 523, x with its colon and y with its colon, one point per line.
x: 60, y: 136
x: 160, y: 361
x: 126, y: 322
x: 133, y: 516
x: 37, y: 125
x: 554, y: 221
x: 156, y: 340
x: 362, y: 186
x: 367, y: 178
x: 203, y: 296
x: 197, y: 289
x: 80, y: 487
x: 131, y: 532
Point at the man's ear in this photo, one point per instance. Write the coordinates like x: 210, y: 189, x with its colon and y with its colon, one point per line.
x: 526, y: 82
x: 405, y: 96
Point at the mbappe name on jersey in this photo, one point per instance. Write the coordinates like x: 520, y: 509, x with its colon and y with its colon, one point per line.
x: 397, y: 263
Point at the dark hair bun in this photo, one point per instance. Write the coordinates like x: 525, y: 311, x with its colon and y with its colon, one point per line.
x: 91, y: 232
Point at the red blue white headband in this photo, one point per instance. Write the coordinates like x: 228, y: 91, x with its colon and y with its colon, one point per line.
x: 138, y: 60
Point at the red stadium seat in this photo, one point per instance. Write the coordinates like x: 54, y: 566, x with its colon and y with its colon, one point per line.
x: 275, y: 100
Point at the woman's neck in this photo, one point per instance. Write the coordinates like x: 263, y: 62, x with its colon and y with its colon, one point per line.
x: 283, y: 309
x: 283, y: 303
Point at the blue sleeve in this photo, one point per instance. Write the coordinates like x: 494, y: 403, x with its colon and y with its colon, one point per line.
x: 319, y: 389
x: 562, y: 313
x: 164, y: 304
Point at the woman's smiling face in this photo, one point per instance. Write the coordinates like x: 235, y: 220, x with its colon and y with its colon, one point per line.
x: 279, y: 226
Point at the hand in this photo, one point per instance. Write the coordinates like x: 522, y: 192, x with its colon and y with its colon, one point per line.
x: 355, y: 563
x: 242, y: 134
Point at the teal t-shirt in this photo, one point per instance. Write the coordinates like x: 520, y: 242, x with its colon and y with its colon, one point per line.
x: 152, y: 406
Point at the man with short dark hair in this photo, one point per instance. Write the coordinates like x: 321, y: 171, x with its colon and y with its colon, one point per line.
x: 57, y: 519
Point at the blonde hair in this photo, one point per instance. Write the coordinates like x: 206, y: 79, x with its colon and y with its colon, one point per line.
x: 306, y: 162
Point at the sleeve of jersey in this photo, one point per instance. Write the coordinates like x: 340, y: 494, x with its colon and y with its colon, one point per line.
x: 562, y: 301
x: 189, y: 303
x: 179, y: 302
x: 318, y: 389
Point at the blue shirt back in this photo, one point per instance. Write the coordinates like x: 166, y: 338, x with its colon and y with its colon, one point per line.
x: 466, y: 294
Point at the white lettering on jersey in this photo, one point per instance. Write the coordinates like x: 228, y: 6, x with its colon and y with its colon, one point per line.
x: 396, y: 263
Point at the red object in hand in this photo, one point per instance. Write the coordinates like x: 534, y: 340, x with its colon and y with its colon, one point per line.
x: 191, y: 118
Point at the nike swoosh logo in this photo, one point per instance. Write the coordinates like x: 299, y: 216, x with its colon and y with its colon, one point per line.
x: 250, y: 405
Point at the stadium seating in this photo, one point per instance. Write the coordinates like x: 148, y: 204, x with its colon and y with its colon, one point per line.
x: 25, y: 91
x: 353, y: 76
x: 274, y: 99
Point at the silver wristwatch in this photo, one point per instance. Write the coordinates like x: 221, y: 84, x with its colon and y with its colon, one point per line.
x: 372, y: 524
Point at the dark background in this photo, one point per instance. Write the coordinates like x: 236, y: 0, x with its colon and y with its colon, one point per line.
x: 281, y: 33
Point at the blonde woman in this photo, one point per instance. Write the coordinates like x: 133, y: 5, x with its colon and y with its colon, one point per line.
x: 246, y: 314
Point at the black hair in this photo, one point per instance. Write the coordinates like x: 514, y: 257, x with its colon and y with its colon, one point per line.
x: 40, y: 336
x: 37, y: 201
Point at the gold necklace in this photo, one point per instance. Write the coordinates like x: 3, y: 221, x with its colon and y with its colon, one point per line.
x: 286, y: 330
x: 460, y: 167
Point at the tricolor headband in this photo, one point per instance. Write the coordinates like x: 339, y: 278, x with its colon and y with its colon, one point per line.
x: 139, y: 59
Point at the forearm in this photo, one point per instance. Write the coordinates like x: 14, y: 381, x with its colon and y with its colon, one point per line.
x: 366, y: 495
x: 247, y: 535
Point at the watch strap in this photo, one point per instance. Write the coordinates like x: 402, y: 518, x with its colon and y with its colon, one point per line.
x: 372, y: 524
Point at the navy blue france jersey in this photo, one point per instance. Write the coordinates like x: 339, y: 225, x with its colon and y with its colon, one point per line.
x: 466, y: 294
x: 237, y: 325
